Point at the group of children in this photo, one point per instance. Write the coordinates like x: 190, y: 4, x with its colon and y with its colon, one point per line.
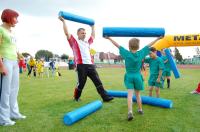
x: 40, y: 67
x: 133, y: 79
x: 36, y: 67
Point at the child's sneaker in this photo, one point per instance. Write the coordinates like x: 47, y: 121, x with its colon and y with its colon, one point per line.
x: 9, y: 123
x: 130, y: 116
x: 140, y: 112
x: 77, y: 100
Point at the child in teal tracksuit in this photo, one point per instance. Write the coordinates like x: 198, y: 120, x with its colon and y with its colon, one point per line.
x: 167, y: 69
x: 133, y: 78
x: 156, y: 66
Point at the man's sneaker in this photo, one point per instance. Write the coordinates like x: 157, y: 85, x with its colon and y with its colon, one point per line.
x: 140, y: 112
x: 21, y: 117
x: 108, y: 99
x: 9, y: 123
x: 130, y: 116
x: 193, y: 92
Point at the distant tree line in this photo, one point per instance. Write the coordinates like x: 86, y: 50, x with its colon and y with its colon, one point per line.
x: 46, y: 55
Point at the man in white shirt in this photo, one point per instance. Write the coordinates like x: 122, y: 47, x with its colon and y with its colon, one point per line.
x: 84, y: 62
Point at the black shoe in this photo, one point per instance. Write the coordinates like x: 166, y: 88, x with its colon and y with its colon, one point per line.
x: 108, y: 99
x: 130, y: 116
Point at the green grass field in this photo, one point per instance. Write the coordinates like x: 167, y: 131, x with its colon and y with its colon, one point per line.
x: 45, y: 101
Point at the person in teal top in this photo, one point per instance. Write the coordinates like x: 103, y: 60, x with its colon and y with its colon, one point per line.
x: 133, y: 78
x: 167, y: 69
x: 9, y: 69
x: 156, y: 66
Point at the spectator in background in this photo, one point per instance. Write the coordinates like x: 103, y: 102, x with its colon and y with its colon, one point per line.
x: 21, y: 64
x: 52, y: 67
x: 32, y: 64
x: 40, y: 68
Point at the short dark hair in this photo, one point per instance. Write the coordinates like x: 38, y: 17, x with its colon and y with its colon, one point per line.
x: 80, y: 29
x: 152, y: 49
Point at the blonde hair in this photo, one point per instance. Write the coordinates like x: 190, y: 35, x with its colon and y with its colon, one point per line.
x: 134, y: 44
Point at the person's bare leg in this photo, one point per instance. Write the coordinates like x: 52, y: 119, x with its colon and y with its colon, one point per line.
x: 130, y: 102
x: 157, y: 92
x: 139, y: 102
x: 150, y: 90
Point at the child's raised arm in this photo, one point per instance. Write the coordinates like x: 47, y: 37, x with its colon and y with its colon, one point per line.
x: 113, y: 42
x: 153, y: 42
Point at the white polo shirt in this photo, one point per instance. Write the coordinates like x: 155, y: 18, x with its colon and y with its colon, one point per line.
x: 81, y: 50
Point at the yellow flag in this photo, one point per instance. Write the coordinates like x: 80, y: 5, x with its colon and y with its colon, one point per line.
x: 92, y: 52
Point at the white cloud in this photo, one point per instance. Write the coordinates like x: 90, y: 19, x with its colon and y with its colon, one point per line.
x: 39, y: 28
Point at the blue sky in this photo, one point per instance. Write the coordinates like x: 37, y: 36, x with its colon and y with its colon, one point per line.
x: 39, y: 27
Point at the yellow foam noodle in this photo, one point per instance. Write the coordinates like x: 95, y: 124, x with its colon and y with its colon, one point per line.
x: 178, y: 41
